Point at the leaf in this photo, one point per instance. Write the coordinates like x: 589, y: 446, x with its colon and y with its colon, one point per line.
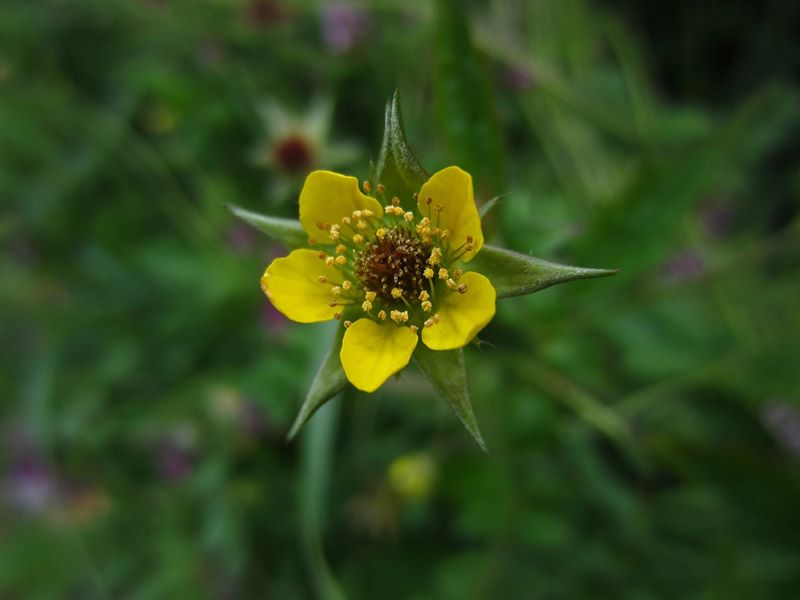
x: 515, y: 274
x: 329, y: 381
x: 487, y: 206
x: 464, y: 98
x: 397, y: 169
x: 286, y: 231
x: 446, y: 371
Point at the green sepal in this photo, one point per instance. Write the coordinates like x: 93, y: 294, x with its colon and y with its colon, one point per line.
x: 397, y: 169
x: 487, y: 206
x: 329, y: 381
x: 446, y: 371
x: 515, y: 274
x: 288, y: 232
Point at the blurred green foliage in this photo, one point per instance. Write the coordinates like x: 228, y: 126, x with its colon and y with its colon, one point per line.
x: 645, y: 429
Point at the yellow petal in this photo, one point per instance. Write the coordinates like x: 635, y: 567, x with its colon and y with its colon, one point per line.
x: 327, y: 197
x: 451, y: 188
x: 372, y: 353
x: 292, y: 284
x: 462, y: 315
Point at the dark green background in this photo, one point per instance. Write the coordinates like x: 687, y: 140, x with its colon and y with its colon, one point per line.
x: 644, y: 429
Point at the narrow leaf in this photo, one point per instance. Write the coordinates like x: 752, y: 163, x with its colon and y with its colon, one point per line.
x: 286, y: 231
x: 329, y: 381
x: 483, y: 210
x: 397, y: 169
x: 446, y: 371
x: 515, y: 274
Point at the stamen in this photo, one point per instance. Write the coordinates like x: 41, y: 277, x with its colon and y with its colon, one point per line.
x: 341, y: 260
x: 329, y: 261
x: 382, y: 315
x: 413, y: 328
x: 312, y: 241
x: 428, y: 273
x: 322, y: 279
x: 337, y: 316
x: 380, y: 188
x: 427, y: 306
x: 347, y: 324
x: 341, y: 249
x: 395, y: 201
x: 428, y: 323
x: 366, y: 306
x: 346, y: 285
x: 367, y: 187
x: 462, y: 289
x: 358, y: 238
x: 408, y: 216
x: 443, y: 274
x: 396, y: 293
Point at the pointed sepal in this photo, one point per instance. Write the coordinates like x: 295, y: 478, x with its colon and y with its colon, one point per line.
x: 288, y: 232
x: 515, y: 274
x: 329, y: 381
x: 446, y: 371
x: 397, y: 168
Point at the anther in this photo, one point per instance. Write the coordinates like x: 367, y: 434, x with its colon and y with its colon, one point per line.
x: 396, y: 292
x: 427, y: 306
x: 322, y: 279
x: 312, y: 241
x: 356, y: 214
x: 337, y: 316
x: 341, y: 249
x: 462, y: 289
x: 408, y: 216
x: 423, y: 295
x: 336, y: 290
x: 329, y: 261
x: 370, y: 296
x: 346, y: 285
x: 366, y: 186
x: 347, y: 324
x: 333, y: 303
x: 457, y: 273
x: 395, y: 201
x: 382, y: 315
x: 428, y: 273
x: 428, y: 323
x: 366, y: 306
x: 322, y: 256
x: 413, y: 328
x: 443, y: 274
x: 340, y: 260
x: 345, y: 220
x: 451, y: 284
x: 380, y: 188
x: 358, y: 238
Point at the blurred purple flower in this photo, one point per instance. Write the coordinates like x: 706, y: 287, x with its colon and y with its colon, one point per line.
x: 241, y: 238
x: 783, y: 421
x: 683, y: 266
x: 174, y: 463
x: 31, y: 486
x: 518, y: 80
x: 344, y: 27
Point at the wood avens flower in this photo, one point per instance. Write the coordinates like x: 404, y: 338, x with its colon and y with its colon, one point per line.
x: 400, y: 263
x: 386, y: 272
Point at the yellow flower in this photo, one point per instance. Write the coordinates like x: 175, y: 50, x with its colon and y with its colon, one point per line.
x: 389, y: 253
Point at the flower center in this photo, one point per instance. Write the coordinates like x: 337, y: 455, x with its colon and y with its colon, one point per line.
x: 394, y: 262
x: 293, y: 154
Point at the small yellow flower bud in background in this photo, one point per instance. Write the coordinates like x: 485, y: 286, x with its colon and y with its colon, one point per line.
x: 412, y: 476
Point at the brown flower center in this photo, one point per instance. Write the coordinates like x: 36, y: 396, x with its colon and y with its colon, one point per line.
x: 293, y: 154
x: 395, y: 261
